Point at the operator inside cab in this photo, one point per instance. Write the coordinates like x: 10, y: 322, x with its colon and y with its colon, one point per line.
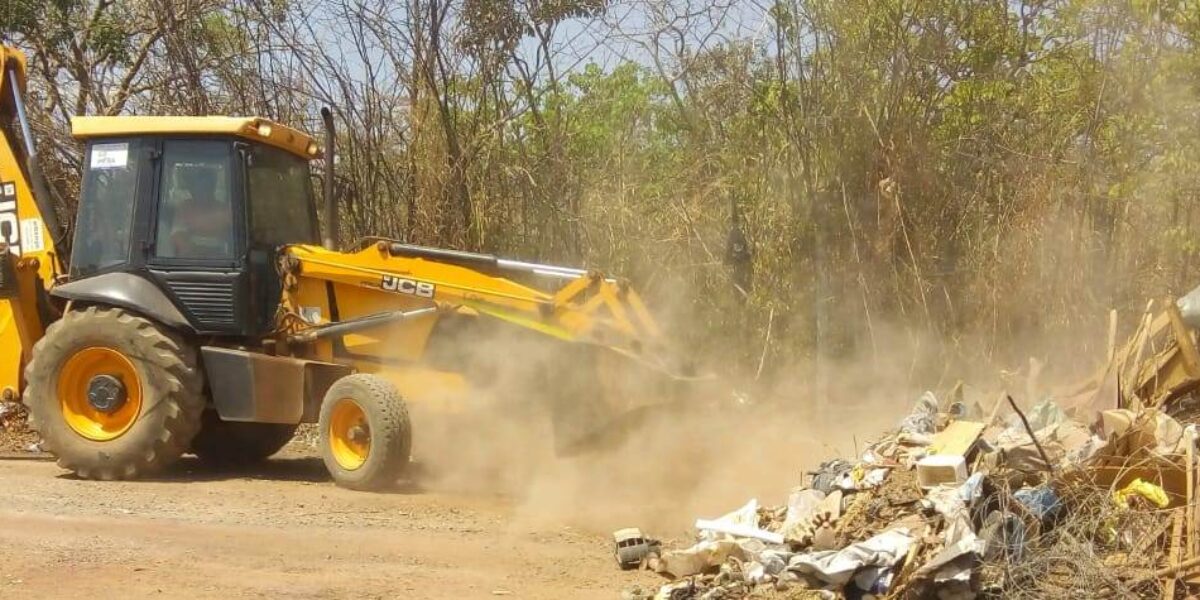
x: 202, y: 224
x: 195, y: 220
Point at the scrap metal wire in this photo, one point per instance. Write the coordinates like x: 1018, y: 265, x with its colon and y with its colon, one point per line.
x: 1087, y: 548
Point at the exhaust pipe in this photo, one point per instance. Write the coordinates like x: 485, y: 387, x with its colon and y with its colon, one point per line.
x: 331, y: 213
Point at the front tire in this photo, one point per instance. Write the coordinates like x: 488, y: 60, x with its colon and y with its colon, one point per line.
x: 366, y: 435
x: 113, y: 395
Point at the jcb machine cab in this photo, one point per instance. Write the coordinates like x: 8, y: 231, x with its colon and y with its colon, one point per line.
x: 198, y: 313
x: 174, y: 250
x: 186, y: 214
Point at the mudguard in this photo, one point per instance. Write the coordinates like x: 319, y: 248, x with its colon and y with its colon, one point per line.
x: 128, y: 291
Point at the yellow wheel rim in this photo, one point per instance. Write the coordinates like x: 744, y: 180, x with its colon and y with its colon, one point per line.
x: 349, y: 436
x: 73, y: 381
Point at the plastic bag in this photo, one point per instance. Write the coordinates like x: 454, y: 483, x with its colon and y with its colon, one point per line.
x: 1189, y: 308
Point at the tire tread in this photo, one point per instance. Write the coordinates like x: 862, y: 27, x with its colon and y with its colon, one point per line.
x: 173, y: 365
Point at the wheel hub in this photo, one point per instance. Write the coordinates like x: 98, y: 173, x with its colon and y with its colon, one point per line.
x: 99, y: 392
x: 106, y: 393
x: 349, y: 434
x: 359, y: 434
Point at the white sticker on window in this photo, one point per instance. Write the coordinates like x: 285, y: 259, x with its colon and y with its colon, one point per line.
x: 31, y: 235
x: 10, y: 189
x: 110, y: 156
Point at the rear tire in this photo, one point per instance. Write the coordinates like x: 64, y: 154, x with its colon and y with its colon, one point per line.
x: 230, y: 443
x: 161, y: 390
x: 366, y: 435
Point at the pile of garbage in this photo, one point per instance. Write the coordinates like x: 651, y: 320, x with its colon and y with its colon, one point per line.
x: 953, y: 504
x: 15, y: 435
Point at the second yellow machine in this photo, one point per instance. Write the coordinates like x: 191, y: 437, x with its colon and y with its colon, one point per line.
x: 199, y: 311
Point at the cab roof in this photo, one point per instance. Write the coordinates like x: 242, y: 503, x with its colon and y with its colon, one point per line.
x: 254, y: 129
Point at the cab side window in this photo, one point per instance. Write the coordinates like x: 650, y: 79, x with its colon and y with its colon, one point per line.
x: 195, y: 212
x: 105, y: 219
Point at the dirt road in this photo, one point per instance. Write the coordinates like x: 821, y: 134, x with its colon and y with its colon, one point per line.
x: 282, y: 530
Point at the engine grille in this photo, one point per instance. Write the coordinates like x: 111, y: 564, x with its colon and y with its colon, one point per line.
x: 210, y: 302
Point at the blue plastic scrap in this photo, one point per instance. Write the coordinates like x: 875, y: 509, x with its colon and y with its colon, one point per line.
x: 1041, y: 501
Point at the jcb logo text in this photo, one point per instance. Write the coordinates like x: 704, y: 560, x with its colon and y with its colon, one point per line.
x: 411, y: 287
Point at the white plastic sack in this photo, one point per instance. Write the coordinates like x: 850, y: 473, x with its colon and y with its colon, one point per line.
x: 742, y: 523
x: 836, y: 567
x: 746, y: 516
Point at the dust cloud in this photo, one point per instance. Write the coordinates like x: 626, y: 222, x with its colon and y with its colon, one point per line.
x: 702, y: 456
x: 719, y: 445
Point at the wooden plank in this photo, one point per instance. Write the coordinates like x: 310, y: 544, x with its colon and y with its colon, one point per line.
x: 1190, y: 506
x: 1130, y: 362
x: 1131, y: 358
x: 1112, y: 335
x: 1173, y: 553
x: 1166, y: 375
x: 900, y: 583
x: 1000, y: 403
x: 1183, y: 337
x: 957, y: 438
x: 1194, y: 505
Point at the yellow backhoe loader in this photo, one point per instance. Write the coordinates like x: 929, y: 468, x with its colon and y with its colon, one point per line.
x: 199, y: 311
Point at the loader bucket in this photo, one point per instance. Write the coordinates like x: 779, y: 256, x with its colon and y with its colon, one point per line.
x: 603, y: 383
x: 601, y: 396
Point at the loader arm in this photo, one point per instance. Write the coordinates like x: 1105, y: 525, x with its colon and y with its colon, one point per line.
x: 29, y: 232
x: 379, y: 307
x: 587, y: 307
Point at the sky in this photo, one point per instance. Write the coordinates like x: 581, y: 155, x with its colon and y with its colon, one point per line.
x: 630, y: 30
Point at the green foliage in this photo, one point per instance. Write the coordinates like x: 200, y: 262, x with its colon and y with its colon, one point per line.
x: 58, y: 21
